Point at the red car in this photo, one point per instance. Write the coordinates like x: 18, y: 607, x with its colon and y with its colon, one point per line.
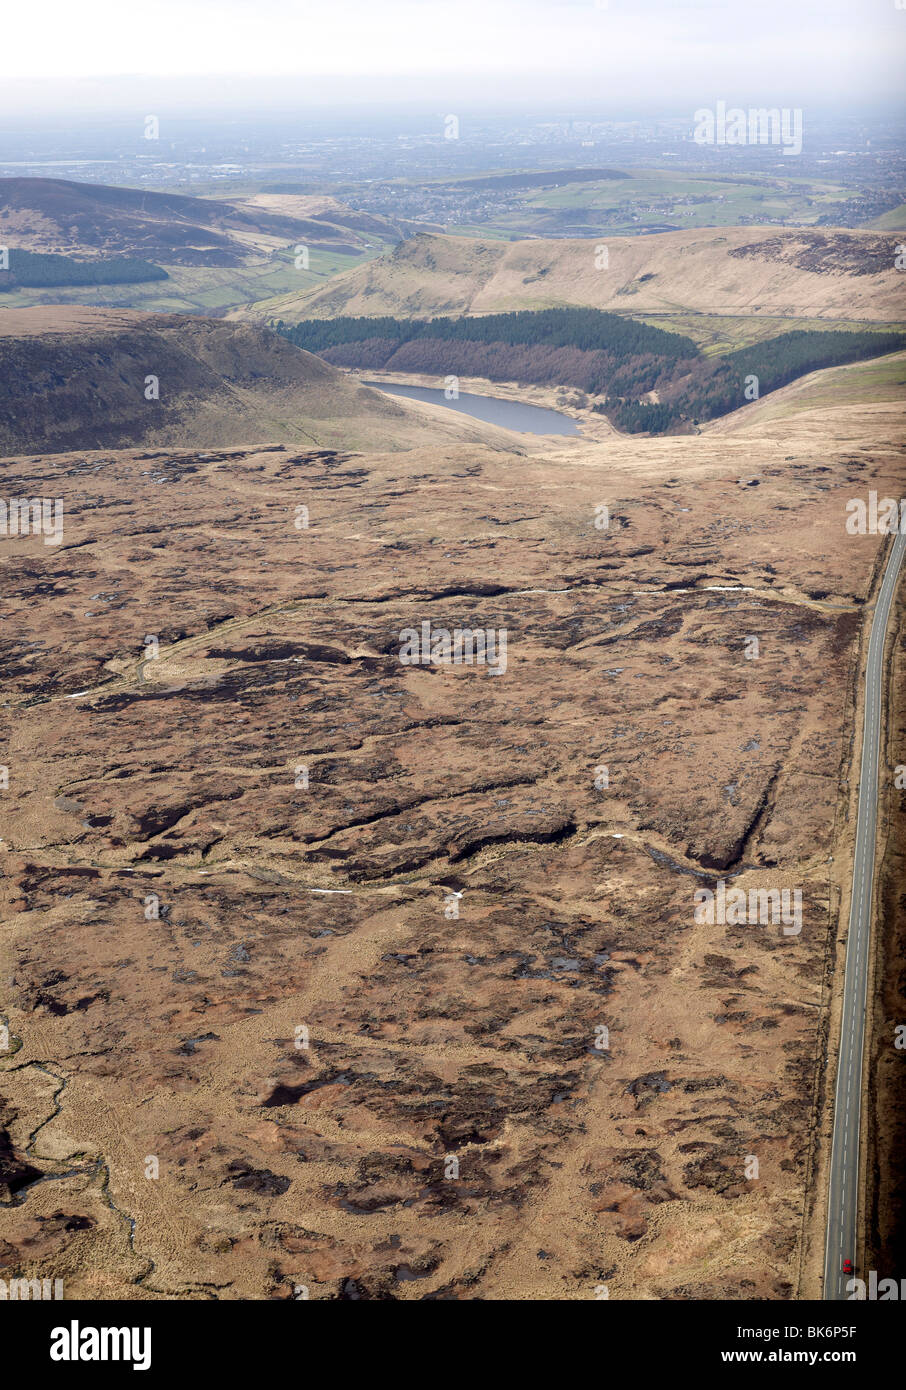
x: 847, y: 1266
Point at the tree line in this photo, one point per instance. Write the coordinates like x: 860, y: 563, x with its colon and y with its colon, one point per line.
x: 646, y: 380
x: 590, y: 330
x: 38, y: 270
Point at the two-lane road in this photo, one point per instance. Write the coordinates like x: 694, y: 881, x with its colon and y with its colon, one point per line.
x: 843, y: 1197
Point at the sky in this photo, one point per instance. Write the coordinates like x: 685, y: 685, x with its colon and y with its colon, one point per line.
x: 111, y: 54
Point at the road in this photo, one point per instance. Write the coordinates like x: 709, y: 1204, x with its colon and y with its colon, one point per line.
x: 843, y: 1196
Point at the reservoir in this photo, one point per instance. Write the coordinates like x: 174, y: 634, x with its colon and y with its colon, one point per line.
x: 509, y: 415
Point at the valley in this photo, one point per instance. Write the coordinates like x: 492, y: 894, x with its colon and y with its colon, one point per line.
x: 215, y: 254
x: 311, y: 951
x: 433, y: 618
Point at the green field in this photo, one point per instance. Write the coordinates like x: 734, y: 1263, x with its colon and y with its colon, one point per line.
x: 892, y: 221
x: 479, y: 230
x: 202, y: 289
x: 660, y: 198
x: 881, y: 379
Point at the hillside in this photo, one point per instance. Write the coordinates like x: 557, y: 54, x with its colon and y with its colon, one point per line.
x: 94, y: 220
x: 75, y: 378
x: 171, y: 777
x: 738, y: 270
x: 876, y: 387
x: 643, y: 377
x: 321, y: 208
x: 191, y: 255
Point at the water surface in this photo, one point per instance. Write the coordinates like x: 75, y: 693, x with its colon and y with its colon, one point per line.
x: 494, y: 410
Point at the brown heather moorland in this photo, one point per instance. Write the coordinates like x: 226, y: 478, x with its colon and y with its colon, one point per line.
x: 257, y: 1041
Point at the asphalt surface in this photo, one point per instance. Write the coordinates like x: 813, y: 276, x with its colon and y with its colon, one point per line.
x: 843, y: 1197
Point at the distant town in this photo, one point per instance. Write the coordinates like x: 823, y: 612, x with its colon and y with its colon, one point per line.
x: 412, y: 166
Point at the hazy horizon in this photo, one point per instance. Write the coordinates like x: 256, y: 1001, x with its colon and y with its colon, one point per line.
x: 610, y: 54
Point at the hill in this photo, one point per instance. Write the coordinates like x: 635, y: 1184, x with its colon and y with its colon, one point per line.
x: 645, y: 378
x: 94, y: 220
x: 633, y: 202
x: 76, y: 378
x: 324, y: 209
x: 827, y: 397
x: 738, y: 270
x: 201, y: 255
x: 171, y: 776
